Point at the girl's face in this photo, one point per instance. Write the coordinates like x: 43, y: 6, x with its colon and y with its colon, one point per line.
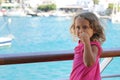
x: 83, y: 25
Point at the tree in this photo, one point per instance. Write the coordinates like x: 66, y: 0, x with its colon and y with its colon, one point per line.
x: 47, y: 7
x: 0, y: 2
x: 95, y: 1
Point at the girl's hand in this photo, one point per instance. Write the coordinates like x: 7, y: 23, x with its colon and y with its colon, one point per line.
x: 84, y: 37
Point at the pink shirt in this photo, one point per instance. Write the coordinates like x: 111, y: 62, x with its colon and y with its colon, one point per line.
x: 82, y: 72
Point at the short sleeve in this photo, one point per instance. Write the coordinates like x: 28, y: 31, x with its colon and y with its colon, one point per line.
x: 98, y: 46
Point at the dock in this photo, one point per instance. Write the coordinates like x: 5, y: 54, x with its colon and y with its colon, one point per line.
x: 105, y: 17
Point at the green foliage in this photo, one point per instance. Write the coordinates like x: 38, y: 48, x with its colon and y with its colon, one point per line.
x: 7, y: 7
x: 0, y: 1
x: 110, y: 6
x: 47, y: 7
x: 96, y: 1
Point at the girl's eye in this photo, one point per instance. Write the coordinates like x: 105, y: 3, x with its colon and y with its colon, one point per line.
x: 78, y: 27
x: 84, y: 27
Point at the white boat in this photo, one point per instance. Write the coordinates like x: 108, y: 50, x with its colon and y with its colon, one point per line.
x: 115, y: 17
x: 16, y: 12
x: 6, y: 40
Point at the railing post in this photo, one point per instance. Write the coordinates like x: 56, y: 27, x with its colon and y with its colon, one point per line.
x: 105, y: 63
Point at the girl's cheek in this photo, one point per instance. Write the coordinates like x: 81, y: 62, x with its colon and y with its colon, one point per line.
x: 76, y: 32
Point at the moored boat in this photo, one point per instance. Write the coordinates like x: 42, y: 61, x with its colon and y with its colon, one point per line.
x: 6, y: 41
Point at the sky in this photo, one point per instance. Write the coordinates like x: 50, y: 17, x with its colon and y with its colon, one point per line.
x: 61, y: 2
x: 68, y: 2
x: 58, y: 2
x: 65, y: 1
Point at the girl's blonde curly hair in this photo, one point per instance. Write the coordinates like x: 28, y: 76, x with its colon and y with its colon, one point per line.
x: 95, y: 25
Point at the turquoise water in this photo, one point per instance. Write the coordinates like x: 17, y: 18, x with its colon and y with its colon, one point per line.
x: 35, y: 34
x: 39, y: 34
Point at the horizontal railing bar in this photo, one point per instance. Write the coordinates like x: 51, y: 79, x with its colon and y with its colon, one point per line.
x: 21, y: 58
x: 111, y: 76
x: 47, y: 56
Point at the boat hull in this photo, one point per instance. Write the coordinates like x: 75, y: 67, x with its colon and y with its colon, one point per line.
x: 5, y: 41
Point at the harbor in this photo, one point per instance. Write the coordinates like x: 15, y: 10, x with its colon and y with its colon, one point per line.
x: 42, y: 45
x: 33, y: 42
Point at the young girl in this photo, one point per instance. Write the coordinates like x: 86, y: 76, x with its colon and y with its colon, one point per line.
x: 87, y: 28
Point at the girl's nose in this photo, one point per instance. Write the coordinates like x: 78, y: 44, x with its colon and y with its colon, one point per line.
x: 80, y: 31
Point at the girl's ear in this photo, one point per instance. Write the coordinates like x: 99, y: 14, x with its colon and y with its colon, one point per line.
x: 94, y: 32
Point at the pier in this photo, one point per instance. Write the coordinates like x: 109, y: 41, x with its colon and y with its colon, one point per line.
x: 105, y: 17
